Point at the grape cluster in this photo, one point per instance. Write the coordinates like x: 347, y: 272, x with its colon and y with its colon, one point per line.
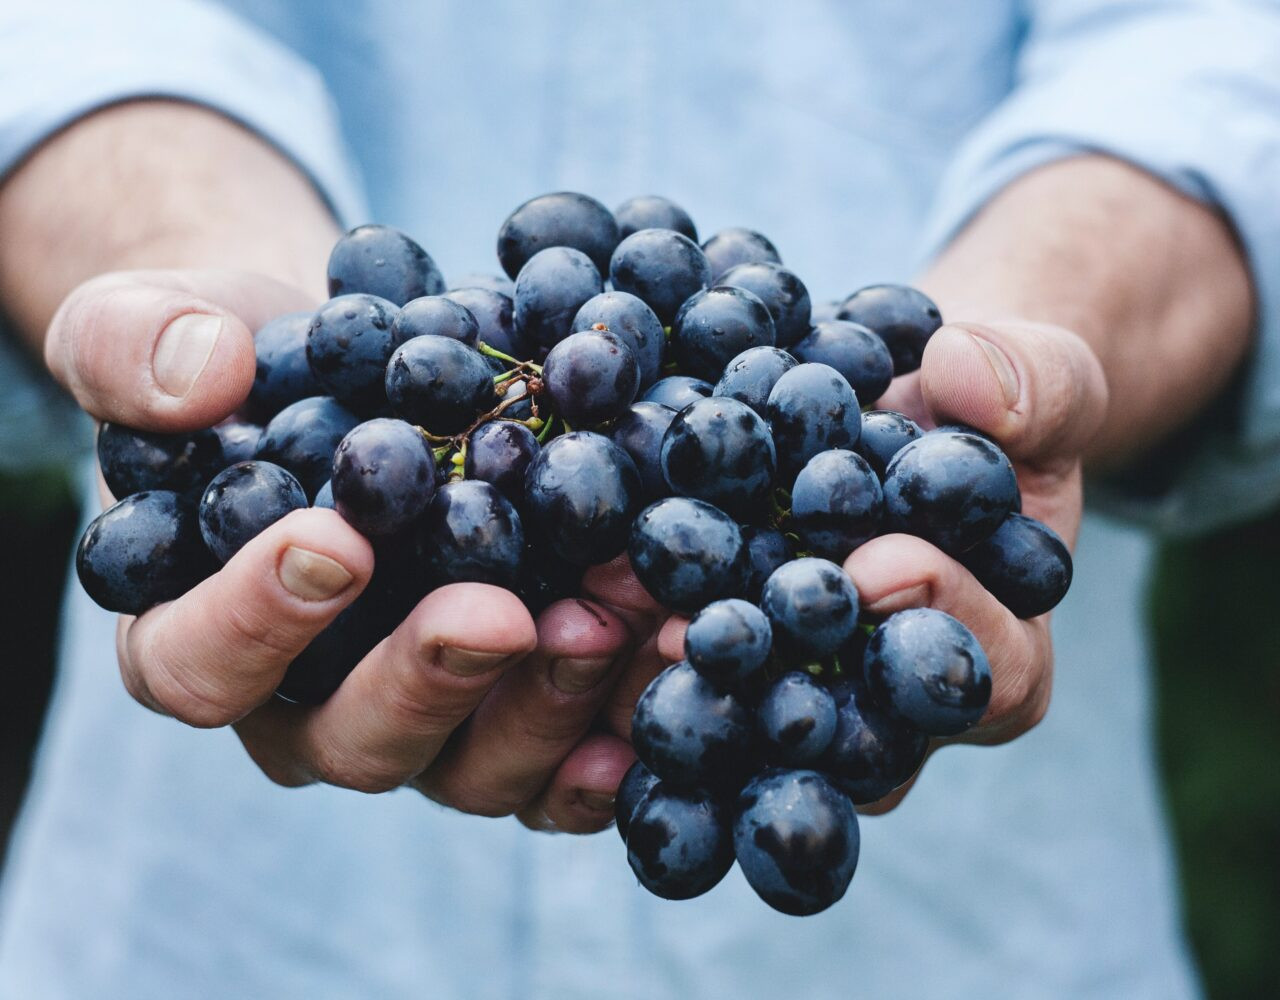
x: 622, y: 389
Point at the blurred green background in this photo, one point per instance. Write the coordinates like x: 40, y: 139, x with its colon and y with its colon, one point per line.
x: 1217, y: 641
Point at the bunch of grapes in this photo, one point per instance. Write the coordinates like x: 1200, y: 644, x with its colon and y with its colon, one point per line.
x: 632, y: 391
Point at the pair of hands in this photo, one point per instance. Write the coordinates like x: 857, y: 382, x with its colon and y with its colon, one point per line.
x: 470, y: 701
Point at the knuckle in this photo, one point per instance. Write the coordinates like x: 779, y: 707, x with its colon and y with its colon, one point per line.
x: 255, y: 625
x: 355, y: 772
x: 175, y: 693
x: 466, y: 797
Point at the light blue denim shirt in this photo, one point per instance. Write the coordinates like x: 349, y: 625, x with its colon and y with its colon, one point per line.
x: 155, y: 861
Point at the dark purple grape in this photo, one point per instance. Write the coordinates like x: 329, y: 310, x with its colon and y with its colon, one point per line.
x: 324, y: 496
x: 852, y: 350
x: 550, y: 289
x: 379, y: 260
x: 728, y: 642
x: 651, y: 211
x: 142, y: 551
x: 902, y: 317
x: 884, y: 434
x: 639, y: 433
x: 319, y: 670
x: 634, y: 322
x: 836, y: 504
x: 239, y: 440
x: 796, y: 719
x: 1024, y: 565
x: 499, y: 453
x: 660, y: 266
x: 677, y: 391
x: 873, y: 752
x: 243, y: 501
x: 303, y: 437
x: 687, y: 553
x: 783, y: 294
x: 692, y: 734
x: 134, y: 461
x: 812, y: 605
x: 591, y: 377
x: 751, y: 376
x: 499, y: 283
x: 494, y: 313
x: 439, y: 384
x: 720, y: 451
x: 282, y: 374
x: 766, y: 551
x: 635, y: 785
x: 383, y: 476
x: 546, y: 578
x: 581, y: 495
x: 811, y: 409
x: 435, y: 316
x: 926, y: 667
x: 951, y: 489
x: 714, y: 326
x: 678, y: 845
x: 796, y: 839
x: 349, y: 342
x: 560, y: 219
x: 824, y: 311
x: 514, y: 393
x: 735, y: 245
x: 472, y: 534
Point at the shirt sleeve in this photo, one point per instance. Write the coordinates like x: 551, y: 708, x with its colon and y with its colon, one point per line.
x: 1190, y: 92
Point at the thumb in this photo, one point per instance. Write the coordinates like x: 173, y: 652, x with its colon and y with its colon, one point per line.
x: 163, y: 350
x: 1037, y: 389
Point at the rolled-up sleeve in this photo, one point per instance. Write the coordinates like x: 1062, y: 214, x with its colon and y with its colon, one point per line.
x: 1189, y: 91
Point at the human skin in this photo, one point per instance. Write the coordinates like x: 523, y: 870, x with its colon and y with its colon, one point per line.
x: 141, y: 278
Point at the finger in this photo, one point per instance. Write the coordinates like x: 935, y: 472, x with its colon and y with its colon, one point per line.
x: 614, y: 585
x: 895, y: 572
x: 221, y: 649
x: 645, y: 664
x: 534, y: 716
x: 671, y: 638
x: 580, y: 796
x: 393, y: 713
x: 163, y: 350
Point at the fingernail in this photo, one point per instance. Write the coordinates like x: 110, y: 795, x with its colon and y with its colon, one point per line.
x: 469, y: 662
x: 183, y: 351
x: 598, y: 801
x: 574, y: 676
x: 1003, y: 369
x: 911, y: 597
x: 311, y: 576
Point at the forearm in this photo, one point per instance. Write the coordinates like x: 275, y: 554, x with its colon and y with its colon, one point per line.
x: 1152, y: 280
x: 153, y: 184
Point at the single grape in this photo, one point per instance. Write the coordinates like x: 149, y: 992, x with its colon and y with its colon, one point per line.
x: 303, y: 437
x: 692, y: 734
x: 439, y: 384
x: 634, y: 786
x: 751, y: 376
x: 767, y: 549
x: 472, y: 534
x: 550, y: 289
x: 591, y: 377
x: 677, y: 391
x: 687, y: 553
x: 927, y: 668
x: 518, y: 400
x: 783, y: 294
x: 824, y: 311
x: 381, y: 261
x: 318, y: 671
x: 500, y: 453
x: 494, y: 313
x: 134, y: 461
x: 498, y: 283
x: 349, y: 342
x: 243, y: 501
x: 651, y: 211
x: 796, y: 719
x: 796, y: 839
x: 282, y: 374
x: 560, y: 219
x: 728, y: 641
x: 679, y: 845
x: 812, y: 605
x: 239, y: 440
x: 628, y: 317
x: 1024, y: 565
x: 324, y: 496
x: 811, y: 409
x: 546, y: 578
x: 661, y: 267
x: 836, y: 504
x: 884, y: 434
x: 852, y: 350
x: 383, y: 476
x: 952, y: 489
x: 581, y: 495
x: 902, y: 317
x: 720, y: 451
x: 639, y: 433
x: 142, y: 551
x: 714, y: 326
x: 873, y: 752
x: 736, y: 245
x: 435, y: 316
